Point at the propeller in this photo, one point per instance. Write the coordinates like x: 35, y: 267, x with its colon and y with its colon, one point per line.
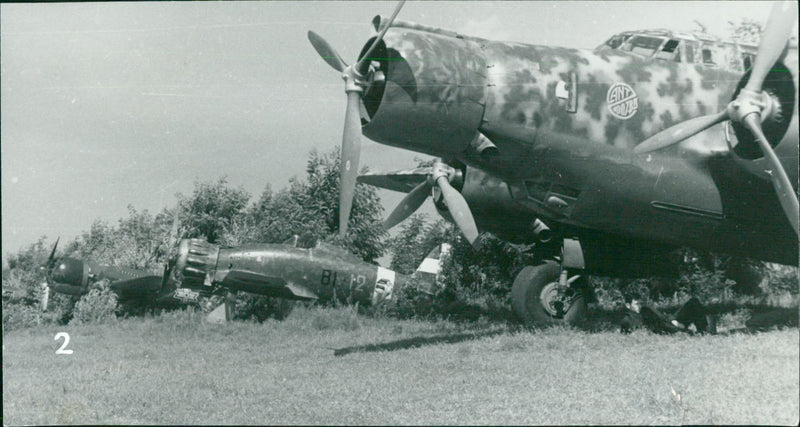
x: 172, y: 242
x: 355, y: 82
x: 440, y: 176
x: 750, y: 107
x: 45, y: 296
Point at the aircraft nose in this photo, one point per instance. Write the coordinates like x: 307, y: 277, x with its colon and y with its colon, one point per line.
x: 434, y: 81
x: 69, y: 272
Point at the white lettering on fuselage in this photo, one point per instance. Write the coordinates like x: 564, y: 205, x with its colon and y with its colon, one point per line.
x: 622, y: 101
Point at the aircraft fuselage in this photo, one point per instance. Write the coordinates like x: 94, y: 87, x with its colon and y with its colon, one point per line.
x: 284, y: 271
x: 561, y: 125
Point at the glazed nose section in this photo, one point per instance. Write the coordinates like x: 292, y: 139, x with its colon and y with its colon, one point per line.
x: 69, y: 277
x: 426, y: 92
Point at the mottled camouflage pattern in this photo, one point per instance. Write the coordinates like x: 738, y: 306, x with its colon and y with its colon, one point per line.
x: 434, y: 94
x: 669, y: 196
x: 522, y: 81
x: 516, y: 83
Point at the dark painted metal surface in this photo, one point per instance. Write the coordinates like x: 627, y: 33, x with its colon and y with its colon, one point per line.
x: 280, y: 270
x: 577, y: 170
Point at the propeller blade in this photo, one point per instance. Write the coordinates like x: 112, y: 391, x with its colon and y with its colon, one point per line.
x: 783, y: 188
x: 351, y: 151
x: 230, y: 305
x: 408, y: 205
x: 680, y: 132
x: 173, y: 232
x: 459, y: 210
x: 52, y: 256
x: 165, y: 275
x: 327, y: 52
x: 774, y: 38
x: 365, y: 59
x: 45, y: 296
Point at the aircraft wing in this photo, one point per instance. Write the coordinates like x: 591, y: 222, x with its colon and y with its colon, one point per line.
x: 137, y: 287
x: 258, y: 283
x: 402, y: 180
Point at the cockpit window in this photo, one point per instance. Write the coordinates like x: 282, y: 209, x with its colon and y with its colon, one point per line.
x: 643, y: 45
x: 615, y: 41
x: 708, y: 57
x: 670, y: 51
x: 307, y: 241
x: 689, y: 52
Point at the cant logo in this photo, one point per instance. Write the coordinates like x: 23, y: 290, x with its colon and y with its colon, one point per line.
x: 622, y: 101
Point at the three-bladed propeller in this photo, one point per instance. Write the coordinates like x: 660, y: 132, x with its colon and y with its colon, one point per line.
x: 355, y: 81
x: 440, y: 177
x: 748, y: 108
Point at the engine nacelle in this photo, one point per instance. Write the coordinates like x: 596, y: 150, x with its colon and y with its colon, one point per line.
x: 71, y: 276
x: 489, y: 199
x: 780, y: 111
x: 196, y: 262
x: 426, y: 91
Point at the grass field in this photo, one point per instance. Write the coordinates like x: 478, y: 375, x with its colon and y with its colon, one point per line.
x: 176, y: 369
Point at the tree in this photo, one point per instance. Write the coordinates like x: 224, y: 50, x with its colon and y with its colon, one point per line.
x: 211, y: 208
x: 311, y: 206
x: 746, y: 31
x: 412, y: 244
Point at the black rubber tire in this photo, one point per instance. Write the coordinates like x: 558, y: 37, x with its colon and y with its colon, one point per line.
x: 526, y: 296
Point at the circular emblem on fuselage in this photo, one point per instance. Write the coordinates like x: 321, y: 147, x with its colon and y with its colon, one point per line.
x: 622, y: 101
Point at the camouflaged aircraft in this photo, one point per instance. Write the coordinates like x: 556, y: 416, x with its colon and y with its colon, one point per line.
x: 73, y: 276
x: 299, y: 269
x: 616, y: 155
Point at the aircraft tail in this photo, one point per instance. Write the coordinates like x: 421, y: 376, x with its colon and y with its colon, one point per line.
x: 429, y: 269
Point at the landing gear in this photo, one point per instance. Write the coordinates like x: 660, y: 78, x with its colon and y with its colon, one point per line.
x: 541, y: 295
x: 284, y: 308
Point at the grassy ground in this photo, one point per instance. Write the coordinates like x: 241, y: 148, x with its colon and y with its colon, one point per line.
x: 177, y: 369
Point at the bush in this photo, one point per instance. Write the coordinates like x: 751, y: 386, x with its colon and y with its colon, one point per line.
x: 99, y: 305
x: 780, y: 279
x: 18, y: 316
x: 407, y: 302
x: 261, y: 308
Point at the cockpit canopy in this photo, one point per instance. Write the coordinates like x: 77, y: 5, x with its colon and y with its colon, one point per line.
x: 306, y: 241
x: 310, y: 241
x: 691, y: 48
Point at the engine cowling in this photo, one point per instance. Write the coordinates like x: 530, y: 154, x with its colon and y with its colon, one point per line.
x: 197, y: 261
x: 70, y: 276
x: 426, y: 91
x: 490, y: 201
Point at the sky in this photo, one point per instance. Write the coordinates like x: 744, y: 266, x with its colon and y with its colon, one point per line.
x: 105, y: 105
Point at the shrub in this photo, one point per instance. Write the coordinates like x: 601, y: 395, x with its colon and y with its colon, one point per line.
x: 99, y: 305
x: 18, y: 316
x: 780, y: 279
x: 406, y: 303
x: 261, y: 308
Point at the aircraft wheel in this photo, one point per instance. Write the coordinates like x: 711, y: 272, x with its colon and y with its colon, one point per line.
x: 538, y: 298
